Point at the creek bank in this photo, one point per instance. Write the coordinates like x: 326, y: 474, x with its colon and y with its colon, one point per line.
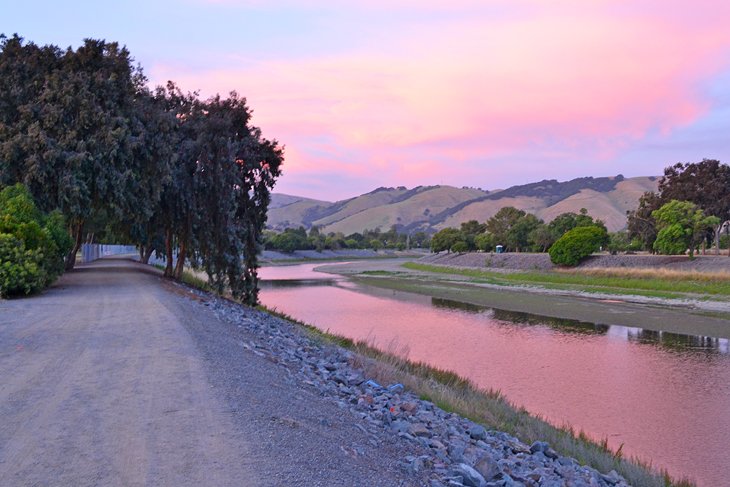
x: 526, y: 261
x: 344, y: 254
x: 449, y: 449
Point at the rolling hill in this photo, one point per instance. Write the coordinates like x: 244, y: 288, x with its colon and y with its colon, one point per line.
x: 431, y: 208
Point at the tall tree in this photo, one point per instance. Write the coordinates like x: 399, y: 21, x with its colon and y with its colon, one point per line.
x: 511, y: 228
x: 706, y: 184
x: 682, y: 225
x: 703, y: 183
x: 641, y: 224
x: 70, y: 144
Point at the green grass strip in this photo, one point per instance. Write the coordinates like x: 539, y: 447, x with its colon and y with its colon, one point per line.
x: 641, y: 286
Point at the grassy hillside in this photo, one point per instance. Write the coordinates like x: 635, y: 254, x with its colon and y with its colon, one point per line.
x: 347, y: 208
x: 437, y: 207
x: 292, y: 211
x: 416, y: 209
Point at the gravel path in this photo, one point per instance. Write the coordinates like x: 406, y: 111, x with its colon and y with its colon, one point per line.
x: 115, y: 376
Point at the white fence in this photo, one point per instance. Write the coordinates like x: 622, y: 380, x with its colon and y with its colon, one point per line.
x: 91, y: 252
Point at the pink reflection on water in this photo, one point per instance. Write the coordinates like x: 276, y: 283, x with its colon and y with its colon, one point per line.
x: 669, y: 405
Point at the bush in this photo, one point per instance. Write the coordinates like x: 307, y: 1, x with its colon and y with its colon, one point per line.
x: 618, y: 242
x: 484, y: 242
x: 576, y: 245
x: 460, y: 247
x: 671, y: 240
x: 32, y: 245
x: 20, y: 272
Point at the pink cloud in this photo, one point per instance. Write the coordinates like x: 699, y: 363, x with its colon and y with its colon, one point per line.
x: 583, y: 76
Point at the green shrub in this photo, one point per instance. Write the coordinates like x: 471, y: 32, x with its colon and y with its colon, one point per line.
x: 484, y: 242
x: 618, y: 242
x: 32, y: 245
x: 460, y: 247
x: 577, y: 244
x: 671, y: 240
x: 20, y: 272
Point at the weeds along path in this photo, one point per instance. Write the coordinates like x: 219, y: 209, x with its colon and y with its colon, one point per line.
x: 115, y: 376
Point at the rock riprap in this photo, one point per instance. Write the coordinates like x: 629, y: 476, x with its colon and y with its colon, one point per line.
x: 460, y: 452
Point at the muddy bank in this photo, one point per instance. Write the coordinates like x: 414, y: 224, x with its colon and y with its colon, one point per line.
x: 684, y: 317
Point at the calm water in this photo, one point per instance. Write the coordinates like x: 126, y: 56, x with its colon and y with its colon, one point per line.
x: 665, y: 397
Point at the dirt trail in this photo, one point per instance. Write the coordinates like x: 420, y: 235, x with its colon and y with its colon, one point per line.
x: 114, y: 377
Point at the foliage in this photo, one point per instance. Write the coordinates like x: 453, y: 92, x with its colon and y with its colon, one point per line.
x: 32, y: 245
x: 484, y: 242
x: 445, y: 239
x: 618, y: 242
x: 512, y: 228
x: 641, y: 224
x: 70, y: 134
x: 460, y: 247
x: 682, y: 225
x: 671, y: 240
x: 159, y: 168
x: 577, y: 244
x: 704, y: 183
x: 565, y: 222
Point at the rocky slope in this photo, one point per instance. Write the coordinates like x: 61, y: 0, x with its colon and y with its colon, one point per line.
x: 445, y: 448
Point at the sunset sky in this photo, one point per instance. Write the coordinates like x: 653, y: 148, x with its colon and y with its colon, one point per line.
x: 419, y: 92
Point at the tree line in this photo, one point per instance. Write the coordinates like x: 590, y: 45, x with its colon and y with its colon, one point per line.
x: 292, y: 239
x: 690, y: 209
x: 185, y: 177
x: 515, y: 230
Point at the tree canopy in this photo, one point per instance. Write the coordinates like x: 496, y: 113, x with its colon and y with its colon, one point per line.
x: 682, y: 225
x: 704, y: 184
x: 160, y: 168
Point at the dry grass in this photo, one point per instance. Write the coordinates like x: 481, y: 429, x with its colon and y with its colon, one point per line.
x: 651, y: 273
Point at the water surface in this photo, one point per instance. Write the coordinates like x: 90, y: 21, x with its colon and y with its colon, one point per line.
x: 665, y: 397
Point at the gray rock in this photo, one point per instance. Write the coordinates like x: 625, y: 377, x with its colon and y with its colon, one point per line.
x: 470, y: 477
x: 419, y: 429
x: 477, y: 432
x: 399, y: 426
x: 487, y: 467
x: 456, y: 451
x: 612, y: 477
x: 539, y: 446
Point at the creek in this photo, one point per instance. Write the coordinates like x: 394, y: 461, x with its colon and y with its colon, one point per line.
x: 662, y: 397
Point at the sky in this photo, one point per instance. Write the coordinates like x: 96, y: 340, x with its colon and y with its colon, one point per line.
x: 478, y: 93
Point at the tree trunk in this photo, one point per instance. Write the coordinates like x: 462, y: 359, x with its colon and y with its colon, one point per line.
x: 147, y: 253
x: 180, y: 260
x: 718, y: 231
x: 168, y: 253
x: 141, y: 252
x: 78, y: 231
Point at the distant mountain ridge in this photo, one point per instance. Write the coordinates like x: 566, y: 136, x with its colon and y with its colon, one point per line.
x: 431, y: 208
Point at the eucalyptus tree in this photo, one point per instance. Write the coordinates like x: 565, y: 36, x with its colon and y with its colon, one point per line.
x: 70, y: 137
x: 237, y: 168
